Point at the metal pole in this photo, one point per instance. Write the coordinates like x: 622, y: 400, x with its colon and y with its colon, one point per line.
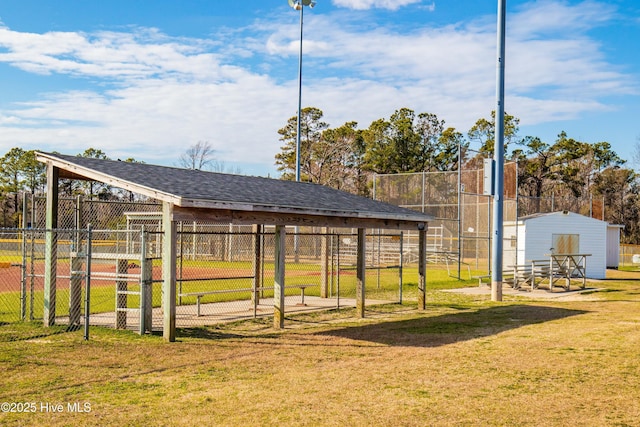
x: 379, y: 249
x: 401, y: 264
x: 422, y: 201
x: 144, y: 284
x: 87, y: 301
x: 459, y: 207
x: 299, y: 124
x: 23, y: 265
x: 489, y: 240
x: 498, y: 154
x: 296, y: 242
x: 338, y: 271
x: 181, y: 236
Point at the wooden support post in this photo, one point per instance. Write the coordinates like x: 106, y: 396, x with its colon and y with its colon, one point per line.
x: 360, y: 272
x: 51, y: 246
x: 422, y: 261
x: 257, y: 264
x: 169, y: 258
x: 278, y: 282
x: 324, y: 260
x: 122, y: 268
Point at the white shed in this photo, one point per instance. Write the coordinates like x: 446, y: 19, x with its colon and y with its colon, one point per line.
x: 536, y: 236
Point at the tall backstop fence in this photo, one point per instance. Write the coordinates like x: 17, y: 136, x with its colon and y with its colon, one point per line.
x: 462, y: 211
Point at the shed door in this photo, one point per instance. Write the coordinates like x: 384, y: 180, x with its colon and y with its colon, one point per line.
x: 565, y: 243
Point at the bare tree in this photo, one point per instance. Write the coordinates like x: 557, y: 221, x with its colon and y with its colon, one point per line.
x: 198, y: 156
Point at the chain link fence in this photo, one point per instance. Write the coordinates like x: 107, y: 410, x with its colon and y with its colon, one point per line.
x: 23, y: 284
x: 111, y: 274
x: 113, y: 277
x: 460, y: 234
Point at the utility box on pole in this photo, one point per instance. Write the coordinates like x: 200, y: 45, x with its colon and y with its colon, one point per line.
x: 488, y: 177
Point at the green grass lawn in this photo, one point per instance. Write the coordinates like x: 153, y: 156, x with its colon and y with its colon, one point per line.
x: 465, y: 360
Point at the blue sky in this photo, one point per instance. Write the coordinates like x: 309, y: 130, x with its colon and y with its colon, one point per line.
x: 149, y: 78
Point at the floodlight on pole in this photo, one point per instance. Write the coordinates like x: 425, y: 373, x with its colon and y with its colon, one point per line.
x: 299, y: 5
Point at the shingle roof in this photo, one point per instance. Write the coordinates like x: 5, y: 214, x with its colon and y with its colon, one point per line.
x: 202, y: 189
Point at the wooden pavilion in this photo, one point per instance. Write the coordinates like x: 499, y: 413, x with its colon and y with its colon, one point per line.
x: 194, y: 195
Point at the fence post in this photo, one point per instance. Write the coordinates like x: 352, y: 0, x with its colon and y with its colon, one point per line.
x: 400, y: 266
x: 87, y: 302
x: 23, y: 264
x: 257, y: 267
x: 422, y: 238
x: 181, y: 255
x: 324, y: 263
x: 146, y: 289
x: 360, y: 273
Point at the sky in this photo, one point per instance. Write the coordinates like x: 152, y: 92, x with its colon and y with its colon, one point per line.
x: 147, y: 79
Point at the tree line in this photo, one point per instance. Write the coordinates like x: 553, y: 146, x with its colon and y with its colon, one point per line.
x: 347, y: 157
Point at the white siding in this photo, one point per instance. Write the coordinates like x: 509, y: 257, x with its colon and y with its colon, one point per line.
x: 536, y: 238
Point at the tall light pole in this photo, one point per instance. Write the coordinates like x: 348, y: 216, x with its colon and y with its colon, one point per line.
x: 498, y: 155
x: 299, y: 5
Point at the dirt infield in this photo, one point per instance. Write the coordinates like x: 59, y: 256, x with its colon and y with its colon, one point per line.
x: 10, y: 275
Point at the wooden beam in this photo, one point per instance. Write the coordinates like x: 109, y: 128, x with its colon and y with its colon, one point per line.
x: 278, y: 282
x: 422, y: 261
x: 360, y: 273
x: 285, y: 218
x: 51, y: 246
x: 169, y: 258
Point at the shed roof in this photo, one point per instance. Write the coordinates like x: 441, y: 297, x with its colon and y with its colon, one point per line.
x: 206, y: 195
x: 570, y: 214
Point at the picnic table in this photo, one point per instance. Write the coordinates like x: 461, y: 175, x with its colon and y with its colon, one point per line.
x: 567, y: 266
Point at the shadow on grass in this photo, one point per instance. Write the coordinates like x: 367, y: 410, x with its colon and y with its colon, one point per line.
x: 454, y: 327
x: 206, y: 332
x: 25, y: 331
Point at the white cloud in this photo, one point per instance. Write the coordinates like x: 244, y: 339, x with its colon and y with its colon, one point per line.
x: 552, y: 17
x: 142, y: 53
